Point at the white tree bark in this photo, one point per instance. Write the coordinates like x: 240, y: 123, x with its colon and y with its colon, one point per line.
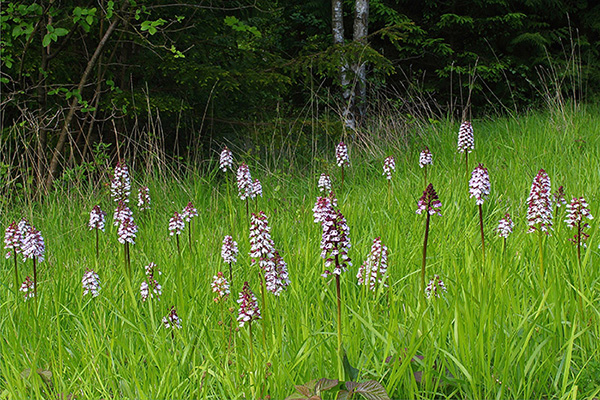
x: 337, y: 26
x: 361, y: 27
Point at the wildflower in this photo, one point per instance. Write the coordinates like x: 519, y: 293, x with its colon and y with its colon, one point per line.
x: 341, y: 155
x: 189, y: 212
x: 429, y: 202
x: 261, y: 244
x: 262, y: 251
x: 33, y: 245
x: 97, y: 218
x: 577, y: 210
x: 280, y: 281
x: 12, y: 239
x: 466, y: 140
x: 505, y: 226
x: 559, y: 197
x: 539, y: 211
x: 372, y: 272
x: 220, y: 286
x: 323, y: 208
x: 127, y: 230
x: 335, y: 243
x: 479, y: 185
x: 389, y: 165
x: 91, y: 283
x: 23, y: 227
x: 144, y: 198
x: 229, y: 250
x: 425, y: 158
x: 150, y: 288
x: 120, y: 186
x: 244, y: 182
x: 121, y: 213
x: 324, y: 183
x: 248, y: 310
x: 176, y: 224
x: 256, y: 189
x: 435, y: 288
x: 172, y: 320
x: 226, y: 160
x: 28, y: 288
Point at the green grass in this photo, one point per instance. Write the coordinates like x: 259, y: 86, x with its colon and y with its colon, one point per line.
x: 499, y: 332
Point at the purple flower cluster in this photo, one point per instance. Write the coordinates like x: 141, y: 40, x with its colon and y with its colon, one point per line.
x: 479, y: 184
x: 150, y: 288
x: 220, y: 286
x: 127, y: 231
x: 341, y: 155
x: 505, y: 226
x: 12, y: 239
x: 466, y: 140
x: 226, y: 160
x: 435, y: 288
x: 97, y: 218
x: 144, y: 198
x: 539, y: 202
x: 120, y: 186
x: 577, y: 210
x: 335, y: 243
x: 244, y: 182
x: 176, y: 224
x: 32, y: 244
x: 559, y: 197
x: 389, y: 165
x: 257, y: 189
x: 372, y: 272
x: 189, y: 212
x: 324, y: 183
x: 425, y: 158
x: 429, y: 202
x: 121, y: 213
x: 91, y: 283
x: 229, y: 250
x: 262, y: 251
x: 248, y: 310
x: 172, y: 320
x: 28, y: 288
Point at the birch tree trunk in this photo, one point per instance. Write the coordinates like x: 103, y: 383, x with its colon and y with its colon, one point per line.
x: 337, y: 27
x: 361, y: 27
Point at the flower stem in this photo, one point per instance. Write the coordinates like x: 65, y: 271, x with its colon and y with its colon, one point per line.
x: 541, y: 257
x: 97, y: 250
x: 342, y: 186
x: 579, y: 269
x: 16, y: 274
x: 190, y: 234
x: 425, y: 167
x: 424, y: 256
x: 339, y: 325
x: 35, y: 279
x: 482, y: 235
x: 178, y: 248
x: 467, y: 163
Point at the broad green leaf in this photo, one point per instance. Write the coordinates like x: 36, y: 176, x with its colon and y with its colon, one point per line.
x: 370, y: 390
x: 47, y: 39
x: 61, y: 31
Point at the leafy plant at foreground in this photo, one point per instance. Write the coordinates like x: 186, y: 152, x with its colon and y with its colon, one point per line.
x: 370, y: 390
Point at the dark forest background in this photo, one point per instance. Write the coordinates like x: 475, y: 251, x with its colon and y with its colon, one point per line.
x: 86, y: 82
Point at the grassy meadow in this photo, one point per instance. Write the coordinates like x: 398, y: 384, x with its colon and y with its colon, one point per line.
x: 500, y: 331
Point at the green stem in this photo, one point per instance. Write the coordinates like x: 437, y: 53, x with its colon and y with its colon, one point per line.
x: 580, y: 271
x: 178, y: 248
x: 482, y: 235
x: 425, y: 167
x: 424, y: 261
x: 16, y: 274
x: 342, y: 186
x: 265, y: 310
x: 190, y: 234
x: 97, y: 249
x: 467, y: 163
x: 541, y: 257
x: 339, y: 324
